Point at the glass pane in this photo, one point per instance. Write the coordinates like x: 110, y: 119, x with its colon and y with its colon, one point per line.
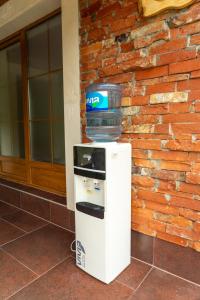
x: 6, y: 138
x: 58, y: 142
x: 39, y: 97
x: 18, y: 140
x: 11, y: 102
x: 46, y: 92
x: 17, y: 105
x: 12, y: 139
x: 38, y: 50
x: 55, y: 43
x: 57, y: 95
x: 40, y: 141
x: 5, y: 105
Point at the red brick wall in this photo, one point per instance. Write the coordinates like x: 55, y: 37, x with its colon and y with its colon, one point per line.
x: 157, y: 61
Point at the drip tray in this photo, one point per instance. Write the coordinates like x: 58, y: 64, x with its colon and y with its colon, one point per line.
x: 91, y: 209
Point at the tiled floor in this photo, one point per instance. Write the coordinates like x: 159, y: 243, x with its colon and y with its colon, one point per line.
x: 36, y: 264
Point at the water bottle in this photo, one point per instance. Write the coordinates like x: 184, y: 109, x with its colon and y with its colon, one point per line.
x: 103, y: 113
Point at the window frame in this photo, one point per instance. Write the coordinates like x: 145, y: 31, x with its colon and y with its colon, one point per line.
x: 43, y: 175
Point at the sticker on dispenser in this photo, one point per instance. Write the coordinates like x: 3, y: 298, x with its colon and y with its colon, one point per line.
x: 80, y: 254
x: 97, y: 101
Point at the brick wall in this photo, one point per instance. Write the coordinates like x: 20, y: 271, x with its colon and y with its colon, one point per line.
x: 157, y: 61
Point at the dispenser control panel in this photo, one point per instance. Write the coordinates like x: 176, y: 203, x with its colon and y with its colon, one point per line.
x: 90, y: 158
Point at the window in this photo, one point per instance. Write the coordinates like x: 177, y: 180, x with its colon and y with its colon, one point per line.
x: 46, y: 110
x: 32, y: 108
x: 11, y: 104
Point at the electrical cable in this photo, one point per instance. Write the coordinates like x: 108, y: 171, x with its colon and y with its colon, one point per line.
x: 71, y: 246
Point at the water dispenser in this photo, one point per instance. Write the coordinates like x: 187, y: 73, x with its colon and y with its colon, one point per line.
x: 102, y: 181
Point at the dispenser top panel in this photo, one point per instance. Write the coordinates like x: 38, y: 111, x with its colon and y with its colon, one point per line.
x: 90, y: 158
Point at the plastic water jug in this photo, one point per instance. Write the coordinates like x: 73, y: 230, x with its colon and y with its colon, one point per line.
x: 103, y: 113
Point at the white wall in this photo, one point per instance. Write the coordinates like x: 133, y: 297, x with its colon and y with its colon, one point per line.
x: 70, y: 29
x: 16, y: 14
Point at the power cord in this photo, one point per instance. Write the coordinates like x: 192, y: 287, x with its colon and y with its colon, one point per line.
x: 71, y: 246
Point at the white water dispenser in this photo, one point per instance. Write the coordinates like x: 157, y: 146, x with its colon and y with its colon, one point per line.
x: 103, y: 208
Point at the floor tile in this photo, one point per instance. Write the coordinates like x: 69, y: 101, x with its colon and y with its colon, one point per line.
x: 162, y: 286
x: 134, y: 274
x: 173, y: 258
x: 62, y: 216
x: 10, y: 195
x: 6, y: 209
x: 25, y: 221
x: 13, y: 275
x: 43, y: 248
x: 68, y: 282
x: 35, y: 205
x: 8, y: 232
x: 142, y: 246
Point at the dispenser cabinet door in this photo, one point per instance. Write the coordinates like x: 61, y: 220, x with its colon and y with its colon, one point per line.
x: 90, y: 158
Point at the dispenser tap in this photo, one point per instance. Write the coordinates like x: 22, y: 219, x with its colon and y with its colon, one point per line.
x: 87, y: 184
x: 85, y: 180
x: 96, y: 185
